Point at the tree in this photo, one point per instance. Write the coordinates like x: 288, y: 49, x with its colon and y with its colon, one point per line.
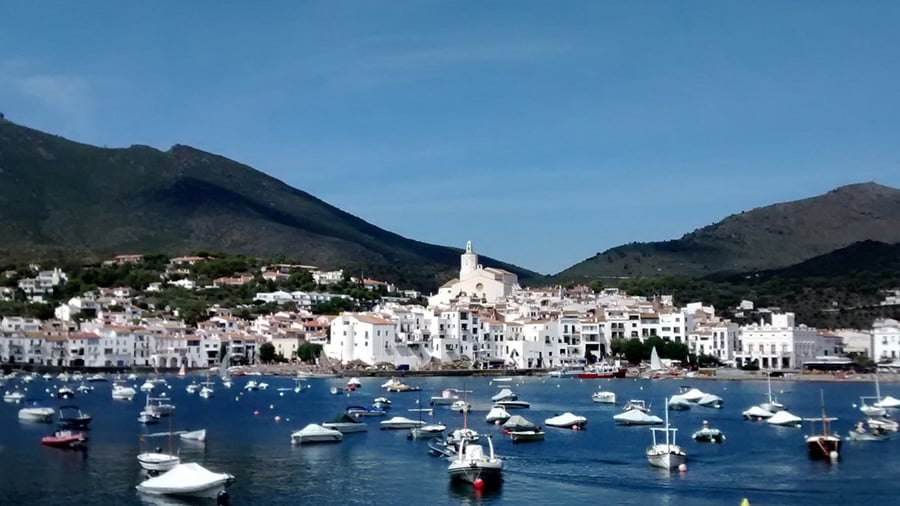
x: 267, y: 353
x: 309, y: 352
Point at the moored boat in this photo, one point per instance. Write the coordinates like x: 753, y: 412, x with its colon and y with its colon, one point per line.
x: 567, y: 421
x: 824, y: 445
x: 604, y: 397
x: 194, y: 435
x: 345, y: 424
x: 708, y: 434
x: 666, y: 455
x: 65, y: 439
x: 71, y: 417
x: 471, y: 465
x: 189, y: 479
x: 315, y: 433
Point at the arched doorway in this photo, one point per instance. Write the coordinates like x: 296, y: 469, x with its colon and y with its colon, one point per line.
x: 173, y: 362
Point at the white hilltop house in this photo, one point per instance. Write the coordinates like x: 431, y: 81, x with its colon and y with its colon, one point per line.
x: 475, y: 281
x: 886, y: 340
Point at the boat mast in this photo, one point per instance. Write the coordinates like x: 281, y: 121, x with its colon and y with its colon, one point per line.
x: 667, y: 424
x: 824, y: 420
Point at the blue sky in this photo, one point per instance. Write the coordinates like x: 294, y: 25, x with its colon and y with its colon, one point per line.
x: 542, y: 131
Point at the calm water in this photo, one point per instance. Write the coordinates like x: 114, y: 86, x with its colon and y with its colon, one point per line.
x: 603, y: 464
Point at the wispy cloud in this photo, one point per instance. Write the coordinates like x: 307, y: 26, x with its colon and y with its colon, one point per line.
x: 66, y: 97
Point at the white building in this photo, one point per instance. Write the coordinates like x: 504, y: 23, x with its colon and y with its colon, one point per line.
x: 364, y: 337
x: 779, y: 344
x: 886, y: 340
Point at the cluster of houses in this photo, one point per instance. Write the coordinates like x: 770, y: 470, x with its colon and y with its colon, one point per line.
x: 483, y: 317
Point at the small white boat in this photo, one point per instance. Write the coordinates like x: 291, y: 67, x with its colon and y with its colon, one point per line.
x: 566, y: 421
x: 636, y: 417
x: 122, y: 392
x: 604, y: 397
x: 708, y: 434
x: 522, y: 436
x: 206, y: 392
x: 504, y: 395
x: 430, y: 430
x: 636, y: 404
x: 315, y: 433
x: 880, y: 423
x: 517, y: 422
x: 64, y: 392
x: 381, y: 403
x: 870, y: 409
x: 97, y: 377
x: 83, y: 389
x: 497, y: 414
x: 666, y: 455
x: 192, y: 388
x: 471, y: 465
x: 391, y: 383
x: 189, y: 479
x: 194, y: 435
x: 158, y: 461
x: 263, y: 386
x: 345, y: 424
x: 131, y: 377
x: 14, y: 397
x: 757, y: 413
x: 147, y: 386
x: 888, y: 402
x: 461, y: 406
x: 401, y: 422
x: 785, y: 419
x: 691, y: 394
x: 147, y: 418
x: 37, y: 414
x: 504, y: 379
x: 251, y: 385
x: 354, y: 383
x: 710, y: 401
x: 678, y: 403
x: 448, y: 396
x: 859, y: 433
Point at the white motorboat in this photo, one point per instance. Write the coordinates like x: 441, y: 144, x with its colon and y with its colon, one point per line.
x: 147, y: 386
x: 83, y: 389
x: 471, y: 465
x: 504, y: 395
x: 888, y: 402
x: 691, y: 394
x: 345, y: 424
x: 504, y: 379
x: 35, y: 413
x: 381, y: 403
x: 678, y: 403
x: 189, y: 479
x: 757, y: 413
x: 122, y: 392
x: 131, y: 377
x: 666, y: 455
x: 513, y: 404
x: 391, y: 383
x: 497, y: 414
x: 604, y: 397
x: 97, y: 377
x: 14, y: 397
x: 710, y: 401
x: 430, y: 430
x: 708, y: 434
x: 859, y: 433
x: 315, y: 433
x: 521, y: 436
x: 192, y: 388
x: 461, y: 406
x: 636, y: 404
x: 636, y: 417
x: 194, y: 435
x: 206, y: 392
x: 64, y: 392
x: 517, y: 422
x: 158, y: 461
x: 251, y: 385
x: 401, y: 422
x: 359, y: 411
x: 263, y: 385
x: 566, y: 421
x: 448, y: 396
x: 870, y: 409
x: 784, y: 418
x: 458, y: 436
x: 147, y: 418
x: 354, y: 383
x: 881, y: 423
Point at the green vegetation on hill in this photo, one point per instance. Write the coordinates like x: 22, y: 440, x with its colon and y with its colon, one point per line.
x: 64, y: 201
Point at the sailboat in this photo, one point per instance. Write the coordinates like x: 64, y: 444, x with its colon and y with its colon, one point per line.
x: 875, y: 408
x: 223, y: 370
x: 425, y: 431
x: 655, y: 362
x: 666, y: 455
x: 207, y: 391
x: 772, y: 406
x: 182, y: 372
x: 824, y: 445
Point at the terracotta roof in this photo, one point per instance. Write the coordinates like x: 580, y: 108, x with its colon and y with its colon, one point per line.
x: 84, y: 335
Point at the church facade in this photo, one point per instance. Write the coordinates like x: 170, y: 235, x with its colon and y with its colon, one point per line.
x: 476, y: 282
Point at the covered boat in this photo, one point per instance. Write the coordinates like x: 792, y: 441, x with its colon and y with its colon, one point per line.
x: 516, y: 422
x: 36, y: 413
x: 691, y: 394
x: 784, y: 419
x: 567, y: 421
x: 194, y: 435
x: 497, y: 414
x: 315, y: 433
x: 345, y: 424
x: 757, y: 413
x: 678, y: 403
x: 636, y: 417
x: 504, y: 395
x: 123, y: 392
x: 888, y: 402
x: 447, y: 397
x: 430, y: 430
x: 859, y: 433
x: 513, y: 404
x: 189, y: 479
x: 710, y: 401
x: 359, y: 411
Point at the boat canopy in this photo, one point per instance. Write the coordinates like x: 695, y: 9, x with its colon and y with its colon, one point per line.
x: 518, y: 422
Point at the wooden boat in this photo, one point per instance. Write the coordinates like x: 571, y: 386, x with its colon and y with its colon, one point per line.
x: 194, y: 435
x: 824, y: 445
x: 523, y: 436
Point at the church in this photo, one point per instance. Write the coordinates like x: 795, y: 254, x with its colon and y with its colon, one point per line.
x: 476, y: 282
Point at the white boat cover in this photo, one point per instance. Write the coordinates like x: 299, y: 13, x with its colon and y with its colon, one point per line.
x: 401, y: 422
x: 710, y: 400
x: 194, y: 435
x: 315, y: 430
x: 692, y: 395
x: 677, y: 402
x: 604, y: 397
x: 517, y: 422
x: 565, y: 420
x: 186, y: 478
x: 757, y: 412
x: 497, y: 413
x: 888, y: 402
x: 637, y: 417
x: 784, y: 418
x: 504, y: 395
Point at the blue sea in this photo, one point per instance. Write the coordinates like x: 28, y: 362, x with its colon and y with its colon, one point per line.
x: 603, y: 464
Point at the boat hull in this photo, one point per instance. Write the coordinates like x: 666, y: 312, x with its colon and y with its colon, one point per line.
x: 665, y: 459
x: 346, y: 428
x: 489, y: 472
x: 157, y: 461
x: 524, y: 436
x: 821, y: 447
x: 317, y: 438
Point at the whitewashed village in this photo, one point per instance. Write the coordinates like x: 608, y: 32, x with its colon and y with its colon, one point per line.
x: 482, y: 319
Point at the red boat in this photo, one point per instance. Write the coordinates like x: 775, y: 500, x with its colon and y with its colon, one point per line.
x: 65, y: 439
x: 602, y: 370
